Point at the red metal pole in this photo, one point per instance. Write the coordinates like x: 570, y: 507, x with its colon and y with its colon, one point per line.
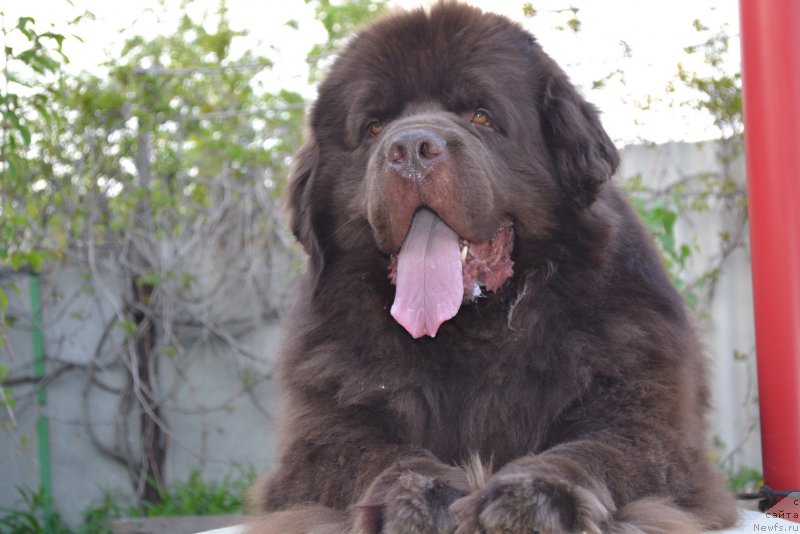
x: 771, y: 72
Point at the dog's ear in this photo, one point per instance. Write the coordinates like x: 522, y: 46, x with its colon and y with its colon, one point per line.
x: 298, y: 199
x: 584, y: 157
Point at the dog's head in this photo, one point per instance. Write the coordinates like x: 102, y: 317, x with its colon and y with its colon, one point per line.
x: 444, y: 139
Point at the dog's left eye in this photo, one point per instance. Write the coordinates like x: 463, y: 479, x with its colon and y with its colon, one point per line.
x: 375, y: 127
x: 481, y: 117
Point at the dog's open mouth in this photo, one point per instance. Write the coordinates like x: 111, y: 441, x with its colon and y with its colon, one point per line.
x: 436, y: 271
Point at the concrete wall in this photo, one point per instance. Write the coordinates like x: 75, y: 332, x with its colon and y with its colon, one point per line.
x: 215, y: 425
x: 219, y: 427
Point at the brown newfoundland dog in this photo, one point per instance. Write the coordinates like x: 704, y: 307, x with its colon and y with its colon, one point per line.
x: 478, y: 294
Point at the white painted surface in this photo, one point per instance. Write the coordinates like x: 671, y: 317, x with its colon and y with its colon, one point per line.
x: 749, y: 522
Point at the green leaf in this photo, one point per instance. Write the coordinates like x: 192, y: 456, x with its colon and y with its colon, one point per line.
x: 129, y: 327
x: 57, y: 37
x: 25, y: 133
x: 36, y: 259
x: 17, y: 259
x: 3, y: 308
x: 574, y: 25
x: 22, y: 24
x: 150, y: 279
x: 528, y: 10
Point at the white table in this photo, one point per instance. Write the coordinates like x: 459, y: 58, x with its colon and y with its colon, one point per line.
x: 750, y: 522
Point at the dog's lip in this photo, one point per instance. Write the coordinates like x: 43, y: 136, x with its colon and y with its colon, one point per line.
x: 463, y: 238
x: 466, y: 245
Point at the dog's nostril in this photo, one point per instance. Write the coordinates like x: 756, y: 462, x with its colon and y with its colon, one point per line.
x: 429, y: 149
x: 396, y: 153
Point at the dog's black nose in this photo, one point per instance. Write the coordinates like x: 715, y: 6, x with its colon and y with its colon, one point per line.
x: 410, y: 153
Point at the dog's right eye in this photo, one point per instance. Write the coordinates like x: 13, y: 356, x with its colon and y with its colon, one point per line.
x: 481, y: 117
x: 375, y: 127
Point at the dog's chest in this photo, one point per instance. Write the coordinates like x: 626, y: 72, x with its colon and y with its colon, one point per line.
x: 497, y: 414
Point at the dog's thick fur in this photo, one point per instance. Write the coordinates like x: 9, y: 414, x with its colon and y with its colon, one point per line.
x: 580, y: 379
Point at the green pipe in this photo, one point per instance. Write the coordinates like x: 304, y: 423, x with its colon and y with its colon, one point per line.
x: 42, y: 425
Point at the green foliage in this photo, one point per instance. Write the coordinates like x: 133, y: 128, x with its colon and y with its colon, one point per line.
x: 659, y: 216
x: 569, y: 15
x: 149, y: 143
x: 528, y: 10
x: 97, y: 517
x: 192, y: 497
x: 745, y: 479
x: 720, y: 92
x: 198, y: 497
x: 7, y: 400
x: 340, y: 19
x: 27, y: 516
x: 154, y: 147
x: 3, y: 326
x: 25, y: 96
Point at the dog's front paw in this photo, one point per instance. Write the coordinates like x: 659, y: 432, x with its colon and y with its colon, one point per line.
x: 405, y: 500
x: 522, y: 502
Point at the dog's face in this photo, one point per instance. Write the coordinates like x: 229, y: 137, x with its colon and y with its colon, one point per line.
x: 443, y: 140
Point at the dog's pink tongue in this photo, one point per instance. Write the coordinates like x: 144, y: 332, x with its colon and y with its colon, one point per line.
x: 430, y: 285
